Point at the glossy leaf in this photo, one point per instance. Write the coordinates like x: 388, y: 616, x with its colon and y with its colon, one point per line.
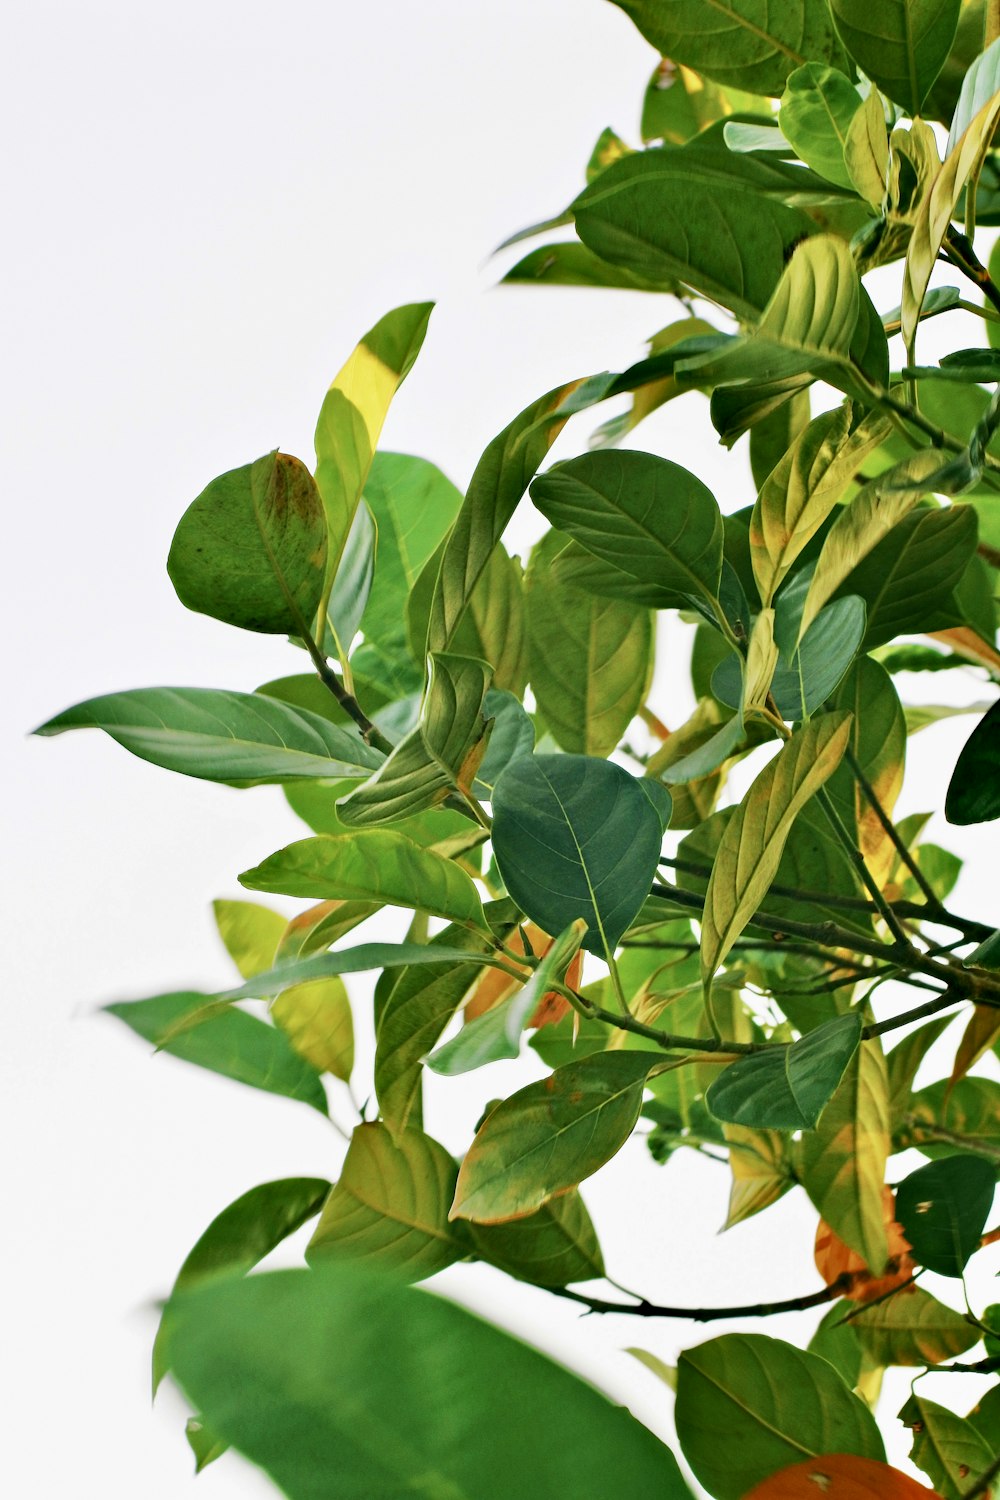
x: 351, y: 417
x: 817, y: 108
x: 950, y: 1450
x: 913, y: 1328
x: 745, y: 44
x: 575, y: 837
x: 943, y: 1208
x: 696, y: 214
x: 751, y: 847
x: 549, y: 1136
x: 866, y: 151
x: 316, y: 1018
x: 787, y: 1087
x: 843, y: 1161
x: 500, y: 479
x: 839, y: 1476
x: 590, y: 658
x: 802, y: 490
x: 375, y: 864
x: 227, y: 1041
x: 902, y: 46
x: 282, y: 1365
x: 241, y: 1236
x: 965, y: 154
x: 390, y: 1205
x: 773, y: 1402
x: 437, y: 758
x: 241, y: 739
x: 555, y: 1246
x: 974, y: 790
x: 569, y: 264
x: 356, y: 961
x: 251, y: 550
x: 646, y: 516
x: 496, y: 1034
x: 251, y: 934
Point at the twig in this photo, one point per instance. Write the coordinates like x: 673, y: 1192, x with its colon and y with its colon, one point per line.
x: 891, y: 832
x: 645, y: 1309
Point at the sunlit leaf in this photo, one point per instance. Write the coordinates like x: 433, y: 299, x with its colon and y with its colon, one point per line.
x: 773, y: 1402
x: 390, y: 1205
x: 574, y: 836
x: 374, y: 864
x: 751, y: 847
x: 251, y: 933
x: 842, y: 1162
x: 241, y: 739
x: 759, y: 1162
x: 549, y: 1136
x: 346, y: 1375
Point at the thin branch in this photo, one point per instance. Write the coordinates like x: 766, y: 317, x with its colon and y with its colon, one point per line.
x: 931, y: 1008
x: 369, y: 731
x: 861, y: 867
x: 977, y: 1367
x: 671, y: 1043
x: 645, y: 1309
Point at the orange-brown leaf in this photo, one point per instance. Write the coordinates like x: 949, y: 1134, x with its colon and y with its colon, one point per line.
x: 835, y: 1259
x: 495, y: 986
x: 840, y: 1476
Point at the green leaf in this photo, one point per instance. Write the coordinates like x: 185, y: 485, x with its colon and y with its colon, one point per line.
x: 241, y: 1236
x: 817, y: 108
x: 375, y: 864
x: 803, y: 678
x: 390, y: 1205
x: 316, y: 803
x: 942, y: 1209
x: 949, y: 1449
x: 745, y: 44
x: 227, y: 1041
x: 555, y: 1246
x: 353, y: 411
x: 751, y: 846
x: 240, y: 739
x: 760, y: 1164
x: 351, y: 586
x: 316, y: 1018
x: 904, y: 1061
x: 511, y: 737
x: 975, y: 118
x: 803, y: 488
x: 374, y: 1387
x: 878, y: 742
x: 870, y: 517
x: 496, y: 1034
x: 775, y: 1405
x: 866, y: 151
x: 437, y: 758
x: 697, y: 214
x: 908, y: 580
x: 251, y: 933
x: 576, y: 837
x: 912, y: 1328
x: 901, y: 46
x: 418, y: 1008
x: 352, y: 961
x: 501, y: 478
x: 836, y: 1341
x: 648, y: 517
x: 787, y: 1087
x: 203, y: 1443
x: 589, y: 657
x: 413, y: 504
x: 251, y: 550
x: 493, y: 626
x: 842, y: 1162
x: 968, y: 1109
x: 549, y: 1136
x: 974, y: 790
x: 570, y: 264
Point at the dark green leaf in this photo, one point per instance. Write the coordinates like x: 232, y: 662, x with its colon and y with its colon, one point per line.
x: 746, y: 44
x: 575, y: 837
x: 228, y: 1041
x: 774, y: 1403
x: 901, y: 46
x: 555, y: 1246
x: 343, y: 1384
x: 974, y: 790
x: 787, y: 1087
x: 241, y: 739
x: 804, y: 678
x: 943, y: 1208
x: 251, y: 550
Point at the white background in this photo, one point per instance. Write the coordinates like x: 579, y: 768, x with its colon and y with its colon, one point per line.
x: 207, y: 205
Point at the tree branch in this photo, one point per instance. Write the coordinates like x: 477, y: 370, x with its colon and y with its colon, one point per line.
x: 645, y: 1309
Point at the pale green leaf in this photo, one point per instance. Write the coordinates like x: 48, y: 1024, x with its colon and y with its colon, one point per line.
x: 817, y: 108
x: 950, y: 1450
x: 251, y: 934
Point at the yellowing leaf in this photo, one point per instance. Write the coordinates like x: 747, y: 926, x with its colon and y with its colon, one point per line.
x: 759, y: 1162
x: 251, y: 934
x: 316, y: 1018
x: 835, y: 1259
x: 750, y: 851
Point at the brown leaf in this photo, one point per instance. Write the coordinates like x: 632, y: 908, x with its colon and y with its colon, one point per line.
x: 835, y: 1259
